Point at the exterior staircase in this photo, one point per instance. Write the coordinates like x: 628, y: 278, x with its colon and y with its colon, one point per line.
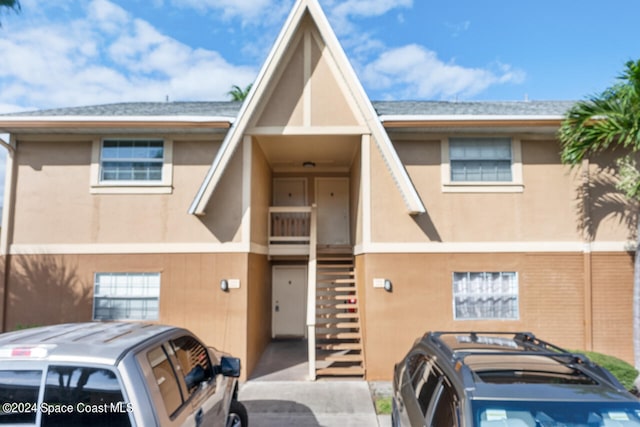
x: 338, y: 333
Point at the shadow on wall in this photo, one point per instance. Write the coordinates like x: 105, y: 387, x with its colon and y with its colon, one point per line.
x: 427, y: 226
x: 43, y: 289
x: 598, y: 198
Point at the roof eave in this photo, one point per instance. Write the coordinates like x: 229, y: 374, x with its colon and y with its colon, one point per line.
x: 91, y: 124
x: 427, y: 121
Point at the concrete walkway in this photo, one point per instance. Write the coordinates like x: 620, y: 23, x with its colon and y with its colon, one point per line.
x: 309, y: 404
x: 279, y: 393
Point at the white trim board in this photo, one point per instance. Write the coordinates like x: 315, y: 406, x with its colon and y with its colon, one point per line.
x: 127, y: 248
x: 493, y: 247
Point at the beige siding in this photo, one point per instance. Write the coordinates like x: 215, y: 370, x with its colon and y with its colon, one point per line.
x: 355, y: 204
x: 613, y: 304
x: 547, y: 209
x: 55, y: 205
x: 551, y: 296
x: 283, y: 105
x: 258, y: 310
x: 307, y: 90
x: 609, y: 211
x: 47, y: 289
x: 329, y: 106
x: 261, y: 188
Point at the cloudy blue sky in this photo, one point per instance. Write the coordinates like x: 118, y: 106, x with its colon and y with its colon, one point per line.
x: 82, y: 52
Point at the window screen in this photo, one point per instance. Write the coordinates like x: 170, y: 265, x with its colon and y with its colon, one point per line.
x: 480, y: 159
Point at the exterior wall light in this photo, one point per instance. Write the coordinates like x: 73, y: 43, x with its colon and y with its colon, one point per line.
x: 224, y: 285
x: 381, y: 283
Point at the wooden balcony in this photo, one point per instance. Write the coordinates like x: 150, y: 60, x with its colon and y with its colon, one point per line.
x: 289, y: 230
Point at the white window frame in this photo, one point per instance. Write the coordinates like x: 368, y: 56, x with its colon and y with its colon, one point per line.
x: 514, y: 186
x: 482, y: 291
x: 163, y: 186
x: 128, y: 292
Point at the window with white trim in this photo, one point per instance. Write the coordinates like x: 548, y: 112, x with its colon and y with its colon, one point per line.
x: 485, y: 295
x: 480, y: 159
x: 132, y: 165
x: 131, y: 160
x: 489, y: 164
x: 126, y: 296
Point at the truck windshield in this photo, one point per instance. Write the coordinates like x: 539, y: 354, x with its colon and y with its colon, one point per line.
x: 556, y: 414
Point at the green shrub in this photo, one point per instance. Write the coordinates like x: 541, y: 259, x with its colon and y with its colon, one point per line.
x: 383, y: 405
x: 623, y: 371
x: 20, y: 326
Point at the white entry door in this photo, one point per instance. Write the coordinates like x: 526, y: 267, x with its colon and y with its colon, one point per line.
x: 288, y: 308
x: 290, y: 192
x: 332, y: 198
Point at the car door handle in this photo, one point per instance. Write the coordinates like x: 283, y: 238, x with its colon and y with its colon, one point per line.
x: 199, y: 416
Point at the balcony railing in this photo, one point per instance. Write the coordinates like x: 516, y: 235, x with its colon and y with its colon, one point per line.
x: 289, y: 230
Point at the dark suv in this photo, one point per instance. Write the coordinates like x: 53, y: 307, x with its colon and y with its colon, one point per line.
x: 494, y: 379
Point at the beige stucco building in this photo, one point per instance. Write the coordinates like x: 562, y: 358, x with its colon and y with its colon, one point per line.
x: 310, y: 211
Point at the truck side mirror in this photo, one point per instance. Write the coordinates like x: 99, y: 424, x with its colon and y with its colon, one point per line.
x: 230, y: 366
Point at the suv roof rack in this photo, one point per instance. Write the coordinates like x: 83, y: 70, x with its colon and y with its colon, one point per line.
x: 528, y: 345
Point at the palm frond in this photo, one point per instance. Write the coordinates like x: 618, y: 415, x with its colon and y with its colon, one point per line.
x: 608, y: 120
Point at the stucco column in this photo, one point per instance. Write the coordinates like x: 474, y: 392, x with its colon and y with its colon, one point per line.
x: 7, y: 226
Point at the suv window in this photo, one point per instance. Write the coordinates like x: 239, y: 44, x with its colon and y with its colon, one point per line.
x: 194, y: 362
x: 444, y: 404
x: 19, y: 393
x: 83, y: 396
x: 426, y: 386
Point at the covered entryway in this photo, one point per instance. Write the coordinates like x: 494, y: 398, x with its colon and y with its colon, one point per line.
x: 289, y: 301
x: 307, y: 116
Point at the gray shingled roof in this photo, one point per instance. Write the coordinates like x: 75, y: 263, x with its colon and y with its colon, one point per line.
x: 386, y: 108
x: 490, y: 108
x: 209, y: 109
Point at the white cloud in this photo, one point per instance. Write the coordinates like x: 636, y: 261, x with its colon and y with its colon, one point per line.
x: 342, y: 13
x: 109, y: 17
x: 366, y: 8
x: 254, y: 12
x: 108, y: 56
x: 414, y: 72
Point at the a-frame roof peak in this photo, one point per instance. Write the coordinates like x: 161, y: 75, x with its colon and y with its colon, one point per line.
x: 307, y: 15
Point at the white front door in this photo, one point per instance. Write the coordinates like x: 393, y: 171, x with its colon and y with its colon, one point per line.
x: 288, y: 308
x: 332, y: 198
x: 290, y: 192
